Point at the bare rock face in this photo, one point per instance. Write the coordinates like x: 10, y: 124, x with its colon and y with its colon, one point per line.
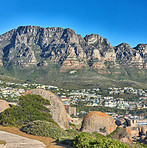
x: 134, y: 131
x: 98, y: 42
x: 122, y: 134
x: 3, y: 105
x: 61, y: 50
x: 56, y: 108
x: 130, y: 56
x: 142, y: 50
x: 126, y: 136
x: 142, y: 129
x: 98, y: 122
x: 30, y: 45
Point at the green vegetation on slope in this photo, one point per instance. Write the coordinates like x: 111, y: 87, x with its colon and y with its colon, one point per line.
x: 44, y: 128
x: 83, y: 78
x: 29, y: 108
x: 85, y: 140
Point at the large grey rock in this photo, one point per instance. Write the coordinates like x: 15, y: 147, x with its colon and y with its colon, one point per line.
x: 98, y: 122
x: 57, y: 108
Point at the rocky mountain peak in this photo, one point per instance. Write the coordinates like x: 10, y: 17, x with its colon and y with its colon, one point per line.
x: 142, y: 49
x: 70, y: 36
x: 93, y: 38
x: 124, y: 52
x: 36, y: 46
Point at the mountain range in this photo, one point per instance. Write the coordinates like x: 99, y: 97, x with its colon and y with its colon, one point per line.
x: 61, y: 56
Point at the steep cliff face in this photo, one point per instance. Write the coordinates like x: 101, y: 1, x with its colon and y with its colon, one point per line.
x: 32, y: 45
x: 129, y: 57
x: 142, y: 50
x: 38, y: 47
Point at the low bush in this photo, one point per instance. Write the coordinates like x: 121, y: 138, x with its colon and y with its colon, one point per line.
x: 85, y: 140
x: 44, y: 128
x: 72, y: 125
x: 72, y: 132
x: 66, y: 140
x: 97, y: 135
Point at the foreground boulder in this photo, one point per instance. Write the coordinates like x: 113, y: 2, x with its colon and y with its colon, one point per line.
x: 98, y: 122
x: 3, y: 105
x: 122, y: 134
x: 56, y: 108
x: 127, y: 138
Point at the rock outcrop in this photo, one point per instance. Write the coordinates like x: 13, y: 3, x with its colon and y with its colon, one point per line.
x: 122, y: 134
x: 57, y: 108
x: 31, y: 45
x: 126, y: 136
x: 129, y: 56
x: 98, y: 122
x: 53, y: 48
x: 3, y: 105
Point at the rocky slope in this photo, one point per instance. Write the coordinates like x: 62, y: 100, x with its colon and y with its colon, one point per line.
x: 33, y: 46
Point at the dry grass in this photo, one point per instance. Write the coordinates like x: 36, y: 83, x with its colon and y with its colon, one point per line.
x: 49, y: 142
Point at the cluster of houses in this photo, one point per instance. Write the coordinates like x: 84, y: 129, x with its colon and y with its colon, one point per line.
x: 120, y: 103
x: 128, y: 90
x: 90, y: 97
x: 10, y: 94
x: 108, y: 101
x: 10, y: 91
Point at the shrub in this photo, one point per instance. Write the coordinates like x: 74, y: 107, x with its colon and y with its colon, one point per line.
x: 72, y: 132
x: 72, y: 125
x: 29, y: 108
x: 97, y: 135
x: 67, y: 141
x: 84, y: 140
x: 44, y: 128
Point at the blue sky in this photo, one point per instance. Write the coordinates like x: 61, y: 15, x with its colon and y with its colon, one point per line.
x: 117, y: 20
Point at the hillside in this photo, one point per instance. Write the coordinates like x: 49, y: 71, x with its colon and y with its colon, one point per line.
x: 62, y: 57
